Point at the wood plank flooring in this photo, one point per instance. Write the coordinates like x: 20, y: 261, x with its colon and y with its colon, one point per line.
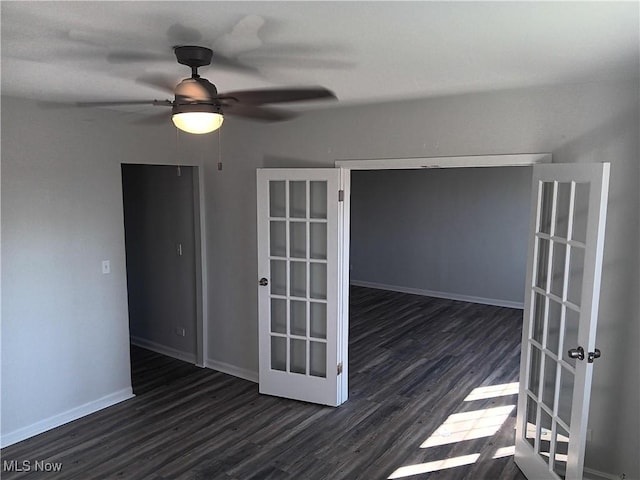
x: 413, y: 361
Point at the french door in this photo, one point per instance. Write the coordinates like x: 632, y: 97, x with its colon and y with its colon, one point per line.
x: 302, y: 323
x: 561, y: 307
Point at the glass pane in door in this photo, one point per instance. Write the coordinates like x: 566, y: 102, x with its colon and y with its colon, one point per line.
x: 318, y: 199
x: 298, y: 242
x: 318, y: 240
x: 546, y: 207
x: 278, y: 277
x: 576, y: 271
x: 298, y: 318
x: 581, y: 208
x: 561, y: 451
x: 531, y: 419
x: 278, y: 239
x: 318, y: 320
x: 553, y: 327
x: 544, y: 440
x: 557, y: 268
x: 278, y: 353
x: 562, y: 206
x: 318, y: 359
x: 565, y: 395
x: 542, y: 270
x: 278, y: 315
x: 571, y: 324
x: 549, y: 382
x: 298, y: 199
x: 277, y: 199
x: 534, y: 372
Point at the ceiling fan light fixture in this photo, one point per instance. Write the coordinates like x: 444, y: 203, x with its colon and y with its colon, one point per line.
x: 197, y: 118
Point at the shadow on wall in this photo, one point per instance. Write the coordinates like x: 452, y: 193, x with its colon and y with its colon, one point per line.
x: 592, y: 146
x: 615, y: 141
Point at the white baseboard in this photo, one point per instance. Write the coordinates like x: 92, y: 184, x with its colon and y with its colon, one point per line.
x: 591, y: 474
x: 163, y: 349
x: 446, y: 295
x: 187, y: 357
x: 227, y: 368
x: 65, y: 417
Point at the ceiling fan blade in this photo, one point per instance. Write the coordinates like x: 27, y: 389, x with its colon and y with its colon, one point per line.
x: 277, y: 61
x: 217, y: 60
x: 127, y: 57
x: 157, y: 119
x: 161, y: 103
x: 258, y: 113
x: 162, y: 82
x: 221, y: 61
x: 279, y: 95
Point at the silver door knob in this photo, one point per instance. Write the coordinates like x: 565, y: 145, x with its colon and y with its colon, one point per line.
x: 576, y: 353
x: 263, y: 282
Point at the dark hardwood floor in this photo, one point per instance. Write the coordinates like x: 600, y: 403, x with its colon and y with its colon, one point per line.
x: 413, y: 361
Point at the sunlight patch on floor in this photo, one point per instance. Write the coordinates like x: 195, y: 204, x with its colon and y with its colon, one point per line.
x: 505, y: 452
x: 419, y: 468
x: 469, y: 425
x: 492, y: 391
x: 462, y: 426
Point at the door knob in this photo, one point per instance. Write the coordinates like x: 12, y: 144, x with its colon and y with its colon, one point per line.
x: 576, y: 353
x: 263, y: 282
x: 579, y: 354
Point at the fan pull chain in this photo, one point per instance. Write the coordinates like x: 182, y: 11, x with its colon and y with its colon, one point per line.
x: 179, y: 169
x: 219, y: 150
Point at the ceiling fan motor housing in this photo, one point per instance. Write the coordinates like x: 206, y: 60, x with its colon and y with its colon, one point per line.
x: 193, y: 56
x: 195, y: 90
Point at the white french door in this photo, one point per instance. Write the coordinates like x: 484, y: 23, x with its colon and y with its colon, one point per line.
x: 561, y: 309
x: 301, y: 317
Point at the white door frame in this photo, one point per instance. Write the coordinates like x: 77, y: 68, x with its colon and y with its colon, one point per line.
x: 467, y: 161
x: 414, y: 163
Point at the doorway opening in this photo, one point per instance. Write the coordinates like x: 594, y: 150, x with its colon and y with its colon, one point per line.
x: 163, y: 259
x: 457, y: 234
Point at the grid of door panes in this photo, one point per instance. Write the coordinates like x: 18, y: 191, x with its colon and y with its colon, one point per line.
x: 298, y: 274
x: 560, y: 238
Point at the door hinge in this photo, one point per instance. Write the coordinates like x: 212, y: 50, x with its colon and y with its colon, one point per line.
x: 339, y: 368
x: 341, y: 195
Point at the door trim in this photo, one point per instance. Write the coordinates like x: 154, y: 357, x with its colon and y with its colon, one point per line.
x: 500, y: 160
x: 345, y: 166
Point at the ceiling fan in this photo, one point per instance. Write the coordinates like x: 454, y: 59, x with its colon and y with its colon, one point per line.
x: 199, y: 108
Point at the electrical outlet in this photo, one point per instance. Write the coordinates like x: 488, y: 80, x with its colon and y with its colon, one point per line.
x: 106, y: 267
x: 181, y: 332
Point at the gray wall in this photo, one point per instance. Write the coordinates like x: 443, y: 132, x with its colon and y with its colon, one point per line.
x: 61, y: 184
x: 458, y: 233
x: 159, y: 214
x: 65, y: 329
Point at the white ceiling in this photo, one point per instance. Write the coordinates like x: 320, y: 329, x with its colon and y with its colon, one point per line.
x: 363, y: 51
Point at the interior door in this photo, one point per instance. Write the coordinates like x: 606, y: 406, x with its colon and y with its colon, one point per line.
x: 301, y: 322
x: 561, y: 308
